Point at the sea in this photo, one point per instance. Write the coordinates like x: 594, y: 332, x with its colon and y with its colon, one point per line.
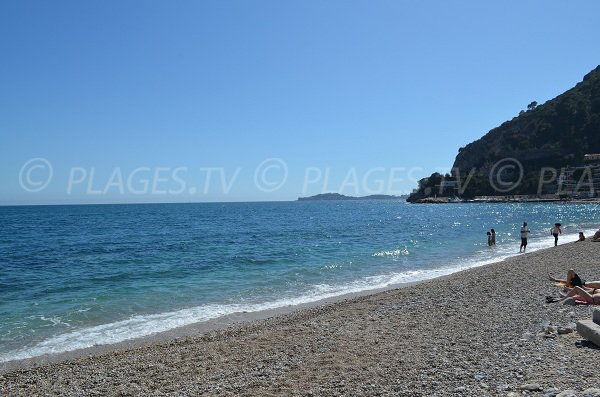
x: 78, y: 276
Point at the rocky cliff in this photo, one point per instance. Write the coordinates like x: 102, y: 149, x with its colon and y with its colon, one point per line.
x: 555, y: 134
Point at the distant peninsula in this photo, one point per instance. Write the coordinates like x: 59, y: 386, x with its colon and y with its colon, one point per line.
x: 337, y: 196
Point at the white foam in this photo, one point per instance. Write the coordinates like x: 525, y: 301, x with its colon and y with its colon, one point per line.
x: 393, y: 253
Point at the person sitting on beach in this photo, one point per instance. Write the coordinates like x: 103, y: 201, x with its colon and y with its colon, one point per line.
x: 573, y: 280
x: 596, y: 236
x: 581, y: 237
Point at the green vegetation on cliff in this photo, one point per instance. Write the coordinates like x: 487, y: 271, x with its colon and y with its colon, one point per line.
x: 550, y: 136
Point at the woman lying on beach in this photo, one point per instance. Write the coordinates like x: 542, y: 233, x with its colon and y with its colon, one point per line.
x: 589, y: 296
x: 581, y: 294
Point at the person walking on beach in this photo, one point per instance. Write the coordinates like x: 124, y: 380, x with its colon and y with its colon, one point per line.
x: 555, y: 231
x: 493, y: 242
x: 524, y: 235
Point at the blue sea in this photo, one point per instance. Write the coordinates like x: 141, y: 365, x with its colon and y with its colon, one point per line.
x: 77, y: 276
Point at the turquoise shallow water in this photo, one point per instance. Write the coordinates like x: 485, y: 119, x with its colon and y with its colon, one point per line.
x: 78, y: 276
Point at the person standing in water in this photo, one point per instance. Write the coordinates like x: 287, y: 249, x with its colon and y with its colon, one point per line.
x: 555, y: 231
x: 524, y: 235
x: 489, y: 239
x: 493, y: 242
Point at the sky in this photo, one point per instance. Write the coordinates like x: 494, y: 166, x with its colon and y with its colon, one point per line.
x: 257, y: 100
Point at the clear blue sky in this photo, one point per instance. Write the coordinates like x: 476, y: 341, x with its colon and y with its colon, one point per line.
x: 155, y: 101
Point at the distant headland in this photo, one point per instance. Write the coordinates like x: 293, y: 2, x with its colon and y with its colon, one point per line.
x: 337, y: 196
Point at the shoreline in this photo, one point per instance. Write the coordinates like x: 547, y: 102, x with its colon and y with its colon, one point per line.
x: 228, y: 320
x: 474, y: 319
x: 223, y: 322
x: 236, y: 318
x: 194, y: 329
x: 239, y: 318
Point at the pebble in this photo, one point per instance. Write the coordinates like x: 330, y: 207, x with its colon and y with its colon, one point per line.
x: 564, y: 330
x: 592, y: 392
x: 567, y: 393
x: 552, y: 392
x: 528, y: 336
x: 531, y: 387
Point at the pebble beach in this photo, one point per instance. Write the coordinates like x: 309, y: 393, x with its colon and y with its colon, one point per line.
x: 486, y: 331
